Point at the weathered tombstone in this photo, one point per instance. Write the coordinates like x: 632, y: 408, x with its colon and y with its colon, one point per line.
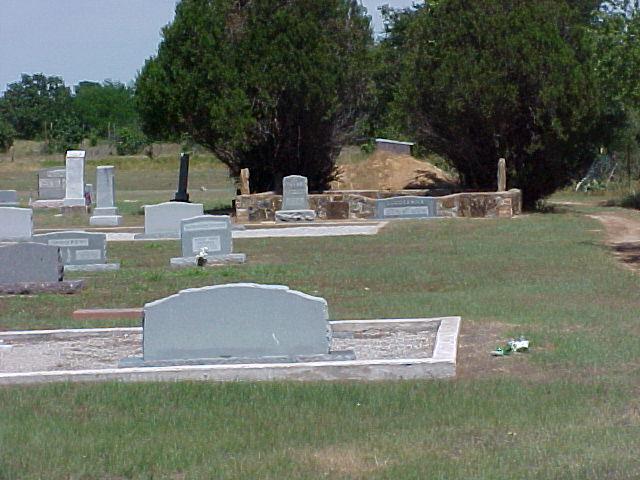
x: 33, y: 268
x: 80, y: 251
x: 52, y: 183
x: 183, y: 179
x: 236, y: 323
x: 502, y: 175
x: 210, y: 232
x: 163, y: 220
x: 74, y: 193
x: 16, y: 224
x: 244, y: 182
x: 406, y: 207
x: 9, y: 198
x: 295, y: 200
x: 105, y: 213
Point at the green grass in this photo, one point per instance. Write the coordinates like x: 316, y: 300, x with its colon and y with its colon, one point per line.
x: 568, y: 409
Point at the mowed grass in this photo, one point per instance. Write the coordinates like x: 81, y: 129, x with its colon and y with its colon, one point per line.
x: 568, y: 409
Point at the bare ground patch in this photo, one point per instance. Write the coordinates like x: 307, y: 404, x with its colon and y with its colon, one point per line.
x: 623, y: 237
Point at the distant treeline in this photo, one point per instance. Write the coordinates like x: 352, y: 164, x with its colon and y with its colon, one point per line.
x: 280, y: 87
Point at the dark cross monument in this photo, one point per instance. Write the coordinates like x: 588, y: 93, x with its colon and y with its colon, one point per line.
x: 181, y: 194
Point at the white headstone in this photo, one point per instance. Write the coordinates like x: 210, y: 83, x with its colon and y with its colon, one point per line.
x: 106, y: 213
x: 16, y: 223
x: 163, y: 220
x: 74, y: 195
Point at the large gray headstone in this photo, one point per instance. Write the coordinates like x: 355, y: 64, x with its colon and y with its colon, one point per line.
x: 163, y: 219
x: 8, y: 198
x: 236, y: 320
x: 210, y: 231
x: 29, y: 262
x: 77, y: 248
x: 105, y: 213
x: 406, y: 207
x: 16, y: 223
x: 295, y: 193
x: 74, y: 194
x: 52, y: 183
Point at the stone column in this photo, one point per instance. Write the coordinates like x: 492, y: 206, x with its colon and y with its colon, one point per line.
x: 244, y: 182
x: 183, y: 179
x: 74, y: 193
x: 502, y: 175
x: 106, y: 213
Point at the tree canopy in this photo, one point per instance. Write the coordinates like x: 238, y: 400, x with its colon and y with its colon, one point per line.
x: 269, y: 85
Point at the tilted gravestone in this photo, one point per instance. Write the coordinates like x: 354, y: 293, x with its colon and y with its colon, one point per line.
x: 295, y: 200
x: 105, y: 213
x: 80, y: 251
x: 16, y: 224
x: 236, y: 323
x: 9, y: 198
x: 74, y: 192
x: 210, y: 232
x: 29, y: 267
x: 406, y: 207
x: 163, y: 220
x: 52, y: 183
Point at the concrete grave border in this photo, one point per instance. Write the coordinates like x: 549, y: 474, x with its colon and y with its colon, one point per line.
x: 441, y: 365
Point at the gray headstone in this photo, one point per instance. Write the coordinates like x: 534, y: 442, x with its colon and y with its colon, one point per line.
x: 74, y: 194
x: 8, y: 198
x: 105, y: 213
x: 211, y: 231
x: 52, y: 183
x: 236, y: 320
x: 16, y: 223
x: 163, y: 219
x: 406, y: 207
x: 77, y: 248
x: 295, y: 193
x: 29, y: 262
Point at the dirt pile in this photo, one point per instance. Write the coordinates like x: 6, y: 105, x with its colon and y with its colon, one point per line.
x: 391, y: 171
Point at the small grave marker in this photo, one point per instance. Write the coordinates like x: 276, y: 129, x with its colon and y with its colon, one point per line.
x: 406, y: 207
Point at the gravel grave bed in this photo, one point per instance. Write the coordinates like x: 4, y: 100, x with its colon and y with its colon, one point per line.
x: 105, y: 350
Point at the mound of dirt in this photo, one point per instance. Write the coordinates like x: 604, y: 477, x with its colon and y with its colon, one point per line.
x: 391, y: 171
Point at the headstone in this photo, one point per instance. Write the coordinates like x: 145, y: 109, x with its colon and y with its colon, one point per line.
x: 80, y: 251
x: 9, y: 198
x: 16, y: 224
x: 236, y: 323
x: 74, y: 194
x: 105, y: 213
x: 29, y: 262
x: 52, y: 183
x: 502, y: 175
x: 89, y: 197
x: 244, y: 182
x: 406, y: 207
x: 393, y: 146
x: 183, y: 179
x: 295, y: 200
x: 210, y: 232
x: 163, y: 220
x: 28, y: 267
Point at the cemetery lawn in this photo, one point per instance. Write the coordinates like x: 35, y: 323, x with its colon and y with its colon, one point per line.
x: 570, y: 408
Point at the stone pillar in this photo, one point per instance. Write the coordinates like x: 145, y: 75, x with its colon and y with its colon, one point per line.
x: 181, y: 194
x: 74, y: 193
x: 244, y: 182
x: 502, y: 175
x: 105, y: 213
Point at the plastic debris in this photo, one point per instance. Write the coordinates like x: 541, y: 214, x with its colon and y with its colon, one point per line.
x: 520, y: 345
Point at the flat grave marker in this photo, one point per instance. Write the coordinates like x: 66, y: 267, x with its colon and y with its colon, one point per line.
x: 406, y: 207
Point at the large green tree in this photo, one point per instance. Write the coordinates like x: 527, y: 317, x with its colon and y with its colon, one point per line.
x: 272, y: 85
x: 102, y: 107
x: 505, y: 78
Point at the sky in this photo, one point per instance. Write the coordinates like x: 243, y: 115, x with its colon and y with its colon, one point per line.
x: 91, y: 40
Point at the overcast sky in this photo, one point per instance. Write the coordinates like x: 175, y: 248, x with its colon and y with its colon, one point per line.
x: 90, y: 39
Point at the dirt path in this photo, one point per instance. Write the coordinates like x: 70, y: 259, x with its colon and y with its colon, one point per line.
x: 623, y: 236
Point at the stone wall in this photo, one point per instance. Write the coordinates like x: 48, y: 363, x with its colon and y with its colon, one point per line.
x: 356, y: 204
